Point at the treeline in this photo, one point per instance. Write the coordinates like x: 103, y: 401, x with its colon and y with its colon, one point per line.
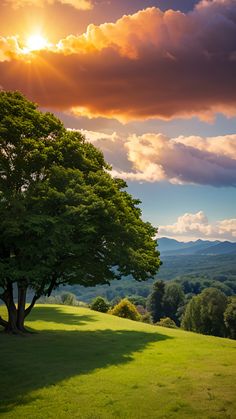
x: 211, y: 312
x: 194, y: 274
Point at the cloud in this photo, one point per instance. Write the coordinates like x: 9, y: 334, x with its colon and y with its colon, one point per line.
x: 155, y: 157
x: 197, y: 225
x: 9, y: 48
x: 221, y: 145
x: 77, y: 4
x: 146, y: 65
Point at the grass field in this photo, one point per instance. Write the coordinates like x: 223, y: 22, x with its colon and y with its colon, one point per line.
x: 84, y: 364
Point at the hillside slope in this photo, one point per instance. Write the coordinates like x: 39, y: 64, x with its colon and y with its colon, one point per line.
x: 84, y: 364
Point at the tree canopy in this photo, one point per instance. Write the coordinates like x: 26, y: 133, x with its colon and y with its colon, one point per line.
x: 155, y: 301
x: 230, y: 317
x: 64, y: 219
x: 205, y: 313
x: 165, y: 300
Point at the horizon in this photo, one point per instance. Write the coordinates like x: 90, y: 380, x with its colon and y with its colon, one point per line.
x: 149, y: 88
x: 195, y: 240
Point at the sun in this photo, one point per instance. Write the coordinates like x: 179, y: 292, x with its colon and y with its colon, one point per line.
x: 36, y: 42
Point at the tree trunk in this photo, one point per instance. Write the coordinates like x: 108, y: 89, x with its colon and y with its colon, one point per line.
x: 22, y: 290
x: 16, y: 316
x: 3, y: 322
x: 11, y: 326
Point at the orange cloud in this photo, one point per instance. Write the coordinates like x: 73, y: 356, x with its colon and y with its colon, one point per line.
x: 9, y: 48
x: 77, y: 4
x: 151, y: 64
x: 126, y: 35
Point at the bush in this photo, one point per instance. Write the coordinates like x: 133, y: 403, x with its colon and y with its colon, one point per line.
x: 126, y: 310
x: 146, y: 318
x: 100, y: 304
x: 69, y: 299
x: 141, y: 310
x: 167, y: 322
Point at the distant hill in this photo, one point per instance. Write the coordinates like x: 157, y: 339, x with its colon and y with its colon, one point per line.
x: 171, y: 247
x: 223, y: 248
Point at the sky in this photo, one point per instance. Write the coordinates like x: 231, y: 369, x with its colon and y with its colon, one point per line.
x: 152, y: 83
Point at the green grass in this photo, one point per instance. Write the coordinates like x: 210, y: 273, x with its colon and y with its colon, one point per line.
x: 84, y: 364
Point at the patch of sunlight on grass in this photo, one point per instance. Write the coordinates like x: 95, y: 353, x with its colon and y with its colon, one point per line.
x: 84, y: 364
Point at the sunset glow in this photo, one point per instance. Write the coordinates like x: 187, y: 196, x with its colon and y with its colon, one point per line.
x: 151, y: 83
x: 36, y: 42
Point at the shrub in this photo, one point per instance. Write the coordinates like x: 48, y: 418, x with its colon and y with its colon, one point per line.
x: 141, y: 310
x: 146, y: 318
x: 69, y: 299
x: 126, y: 310
x: 100, y: 304
x: 167, y: 322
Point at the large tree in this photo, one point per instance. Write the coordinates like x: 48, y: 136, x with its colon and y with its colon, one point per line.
x: 63, y: 218
x: 205, y: 313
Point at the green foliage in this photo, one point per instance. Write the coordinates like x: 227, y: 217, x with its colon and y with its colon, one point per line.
x: 230, y: 317
x: 173, y: 300
x: 100, y: 304
x: 64, y: 219
x: 199, y: 271
x: 165, y: 301
x: 137, y: 300
x: 146, y: 318
x: 155, y: 301
x: 205, y: 270
x: 69, y: 299
x: 205, y: 313
x: 126, y: 310
x: 167, y: 322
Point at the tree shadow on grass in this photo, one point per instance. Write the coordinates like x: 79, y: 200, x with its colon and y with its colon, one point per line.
x: 47, y: 358
x: 58, y: 315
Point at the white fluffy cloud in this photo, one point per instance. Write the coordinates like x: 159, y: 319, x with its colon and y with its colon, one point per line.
x: 155, y: 157
x: 197, y: 225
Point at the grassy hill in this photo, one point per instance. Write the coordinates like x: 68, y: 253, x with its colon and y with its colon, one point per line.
x: 88, y: 365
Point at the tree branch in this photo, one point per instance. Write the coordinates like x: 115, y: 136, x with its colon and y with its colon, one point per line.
x: 28, y: 309
x: 51, y: 286
x: 39, y: 294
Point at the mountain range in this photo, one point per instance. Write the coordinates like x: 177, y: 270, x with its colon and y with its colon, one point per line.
x: 171, y: 247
